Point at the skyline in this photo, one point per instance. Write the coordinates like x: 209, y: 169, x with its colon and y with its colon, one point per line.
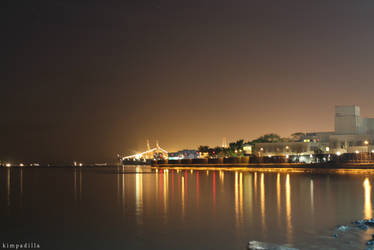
x: 85, y: 81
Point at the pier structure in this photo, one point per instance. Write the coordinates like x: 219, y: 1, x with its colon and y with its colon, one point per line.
x: 156, y: 153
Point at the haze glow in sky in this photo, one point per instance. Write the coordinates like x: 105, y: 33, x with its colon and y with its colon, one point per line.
x: 85, y: 81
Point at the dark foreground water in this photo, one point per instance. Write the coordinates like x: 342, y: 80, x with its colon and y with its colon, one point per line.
x: 141, y: 208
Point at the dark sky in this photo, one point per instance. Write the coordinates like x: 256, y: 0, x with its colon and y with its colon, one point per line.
x: 85, y: 80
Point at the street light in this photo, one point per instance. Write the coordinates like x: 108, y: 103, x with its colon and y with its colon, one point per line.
x: 366, y: 142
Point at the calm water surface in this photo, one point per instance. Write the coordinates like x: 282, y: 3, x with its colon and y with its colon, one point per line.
x: 143, y: 208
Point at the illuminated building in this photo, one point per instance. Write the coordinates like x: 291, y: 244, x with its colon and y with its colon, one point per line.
x: 247, y: 149
x: 286, y: 149
x: 348, y: 120
x: 184, y: 154
x: 353, y: 134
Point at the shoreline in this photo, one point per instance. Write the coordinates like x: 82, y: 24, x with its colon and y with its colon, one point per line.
x: 278, y: 167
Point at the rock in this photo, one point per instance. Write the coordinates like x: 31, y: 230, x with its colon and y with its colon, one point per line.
x: 258, y: 245
x: 363, y: 227
x: 359, y: 222
x: 369, y: 223
x: 370, y: 242
x: 343, y: 228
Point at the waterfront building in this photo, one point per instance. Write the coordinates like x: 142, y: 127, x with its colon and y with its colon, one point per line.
x: 184, y: 154
x: 285, y: 149
x: 203, y: 155
x: 189, y: 154
x: 247, y: 149
x: 348, y: 120
x: 173, y: 156
x: 352, y: 134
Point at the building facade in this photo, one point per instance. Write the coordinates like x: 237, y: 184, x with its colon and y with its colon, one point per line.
x: 352, y: 134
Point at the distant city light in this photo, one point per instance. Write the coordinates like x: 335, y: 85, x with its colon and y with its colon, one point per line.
x: 8, y: 165
x: 287, y: 156
x: 327, y: 149
x: 366, y: 142
x: 338, y: 153
x: 21, y: 165
x: 357, y: 152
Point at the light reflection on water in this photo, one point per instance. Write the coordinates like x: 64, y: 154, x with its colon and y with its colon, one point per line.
x: 288, y: 208
x: 262, y: 195
x: 248, y: 196
x: 237, y: 200
x: 278, y: 196
x: 197, y: 189
x: 367, y: 208
x: 311, y: 196
x: 139, y: 195
x: 169, y: 207
x: 214, y: 192
x: 182, y: 196
x: 8, y: 186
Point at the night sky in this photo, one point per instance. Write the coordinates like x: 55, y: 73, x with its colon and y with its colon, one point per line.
x: 85, y: 80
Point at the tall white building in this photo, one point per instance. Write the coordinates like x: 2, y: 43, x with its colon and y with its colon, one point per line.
x: 348, y: 120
